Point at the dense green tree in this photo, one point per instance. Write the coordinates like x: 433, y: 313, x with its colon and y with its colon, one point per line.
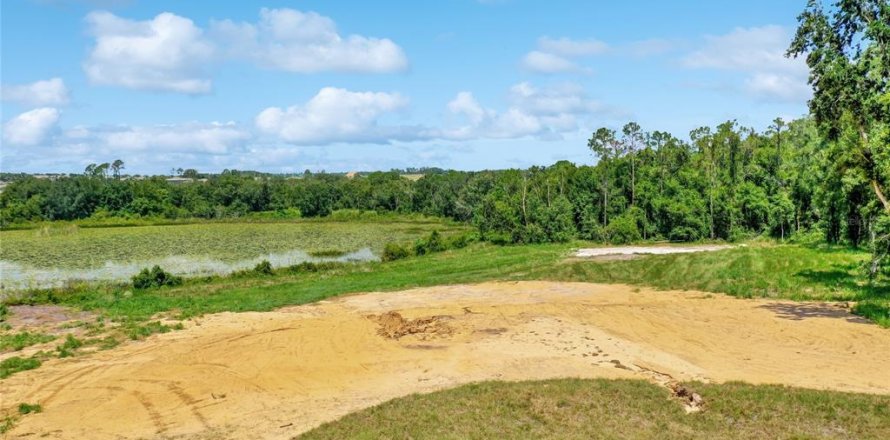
x: 847, y: 47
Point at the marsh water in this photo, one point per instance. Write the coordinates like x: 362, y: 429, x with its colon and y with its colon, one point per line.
x: 15, y: 276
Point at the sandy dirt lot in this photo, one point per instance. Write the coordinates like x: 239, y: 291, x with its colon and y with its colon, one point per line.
x: 277, y: 374
x: 647, y: 250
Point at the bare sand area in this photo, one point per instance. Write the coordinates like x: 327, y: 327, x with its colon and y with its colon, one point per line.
x: 648, y: 250
x: 274, y: 375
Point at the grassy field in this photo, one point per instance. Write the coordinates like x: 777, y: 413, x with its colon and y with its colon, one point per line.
x: 785, y: 271
x: 72, y: 247
x: 604, y: 409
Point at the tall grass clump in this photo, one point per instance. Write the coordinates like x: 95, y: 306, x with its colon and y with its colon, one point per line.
x: 156, y: 277
x: 395, y: 251
x: 12, y: 365
x: 263, y: 268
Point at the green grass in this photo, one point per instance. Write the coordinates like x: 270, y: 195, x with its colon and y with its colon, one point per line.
x: 69, y: 347
x: 18, y: 341
x: 71, y: 247
x: 608, y: 409
x: 12, y: 365
x: 786, y: 271
x: 30, y: 408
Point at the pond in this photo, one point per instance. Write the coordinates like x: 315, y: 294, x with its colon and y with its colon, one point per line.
x: 15, y: 276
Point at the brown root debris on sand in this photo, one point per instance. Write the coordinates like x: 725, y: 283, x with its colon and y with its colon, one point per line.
x: 274, y: 375
x: 393, y: 325
x: 692, y: 401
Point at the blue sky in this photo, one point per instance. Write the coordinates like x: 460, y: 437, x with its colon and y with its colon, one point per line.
x: 338, y: 86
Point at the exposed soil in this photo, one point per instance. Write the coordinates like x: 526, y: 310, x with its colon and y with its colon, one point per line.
x: 394, y: 326
x: 631, y: 252
x: 44, y: 317
x: 277, y: 374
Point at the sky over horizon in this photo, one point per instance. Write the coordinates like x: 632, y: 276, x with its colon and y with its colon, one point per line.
x: 284, y: 86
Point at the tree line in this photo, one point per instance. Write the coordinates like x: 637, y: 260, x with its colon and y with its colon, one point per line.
x: 726, y: 182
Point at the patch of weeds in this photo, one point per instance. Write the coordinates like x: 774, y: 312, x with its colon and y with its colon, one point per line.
x: 7, y: 424
x: 263, y: 268
x: 327, y: 253
x: 310, y: 267
x: 69, y: 347
x: 431, y: 244
x: 141, y: 331
x: 30, y: 408
x: 395, y: 251
x: 18, y: 341
x: 875, y: 310
x: 4, y: 312
x: 13, y: 365
x: 156, y: 277
x: 106, y: 343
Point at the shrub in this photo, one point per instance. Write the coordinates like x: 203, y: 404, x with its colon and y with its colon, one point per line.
x: 263, y: 268
x: 431, y: 244
x: 28, y: 408
x: 434, y: 243
x: 623, y: 230
x: 394, y: 251
x: 156, y: 277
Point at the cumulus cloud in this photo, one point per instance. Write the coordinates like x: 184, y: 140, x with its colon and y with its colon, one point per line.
x: 543, y: 62
x: 555, y: 55
x: 166, y: 53
x: 31, y: 127
x: 171, y: 53
x: 745, y: 49
x: 777, y: 87
x: 306, y: 42
x: 759, y: 53
x: 572, y: 48
x: 192, y: 137
x: 487, y: 123
x: 545, y: 113
x: 154, y: 148
x: 337, y: 115
x: 51, y: 92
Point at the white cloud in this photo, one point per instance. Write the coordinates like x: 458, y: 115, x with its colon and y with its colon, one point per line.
x: 648, y: 47
x: 165, y: 53
x: 546, y: 113
x: 487, y: 123
x: 565, y: 98
x: 748, y: 49
x: 306, y: 42
x: 337, y: 115
x: 572, y: 48
x: 152, y: 148
x: 543, y: 62
x: 31, y: 127
x: 171, y: 53
x: 51, y: 92
x: 554, y: 55
x: 776, y: 87
x: 192, y: 137
x: 759, y: 53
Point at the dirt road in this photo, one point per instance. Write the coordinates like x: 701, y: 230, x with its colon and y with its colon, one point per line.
x: 274, y: 375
